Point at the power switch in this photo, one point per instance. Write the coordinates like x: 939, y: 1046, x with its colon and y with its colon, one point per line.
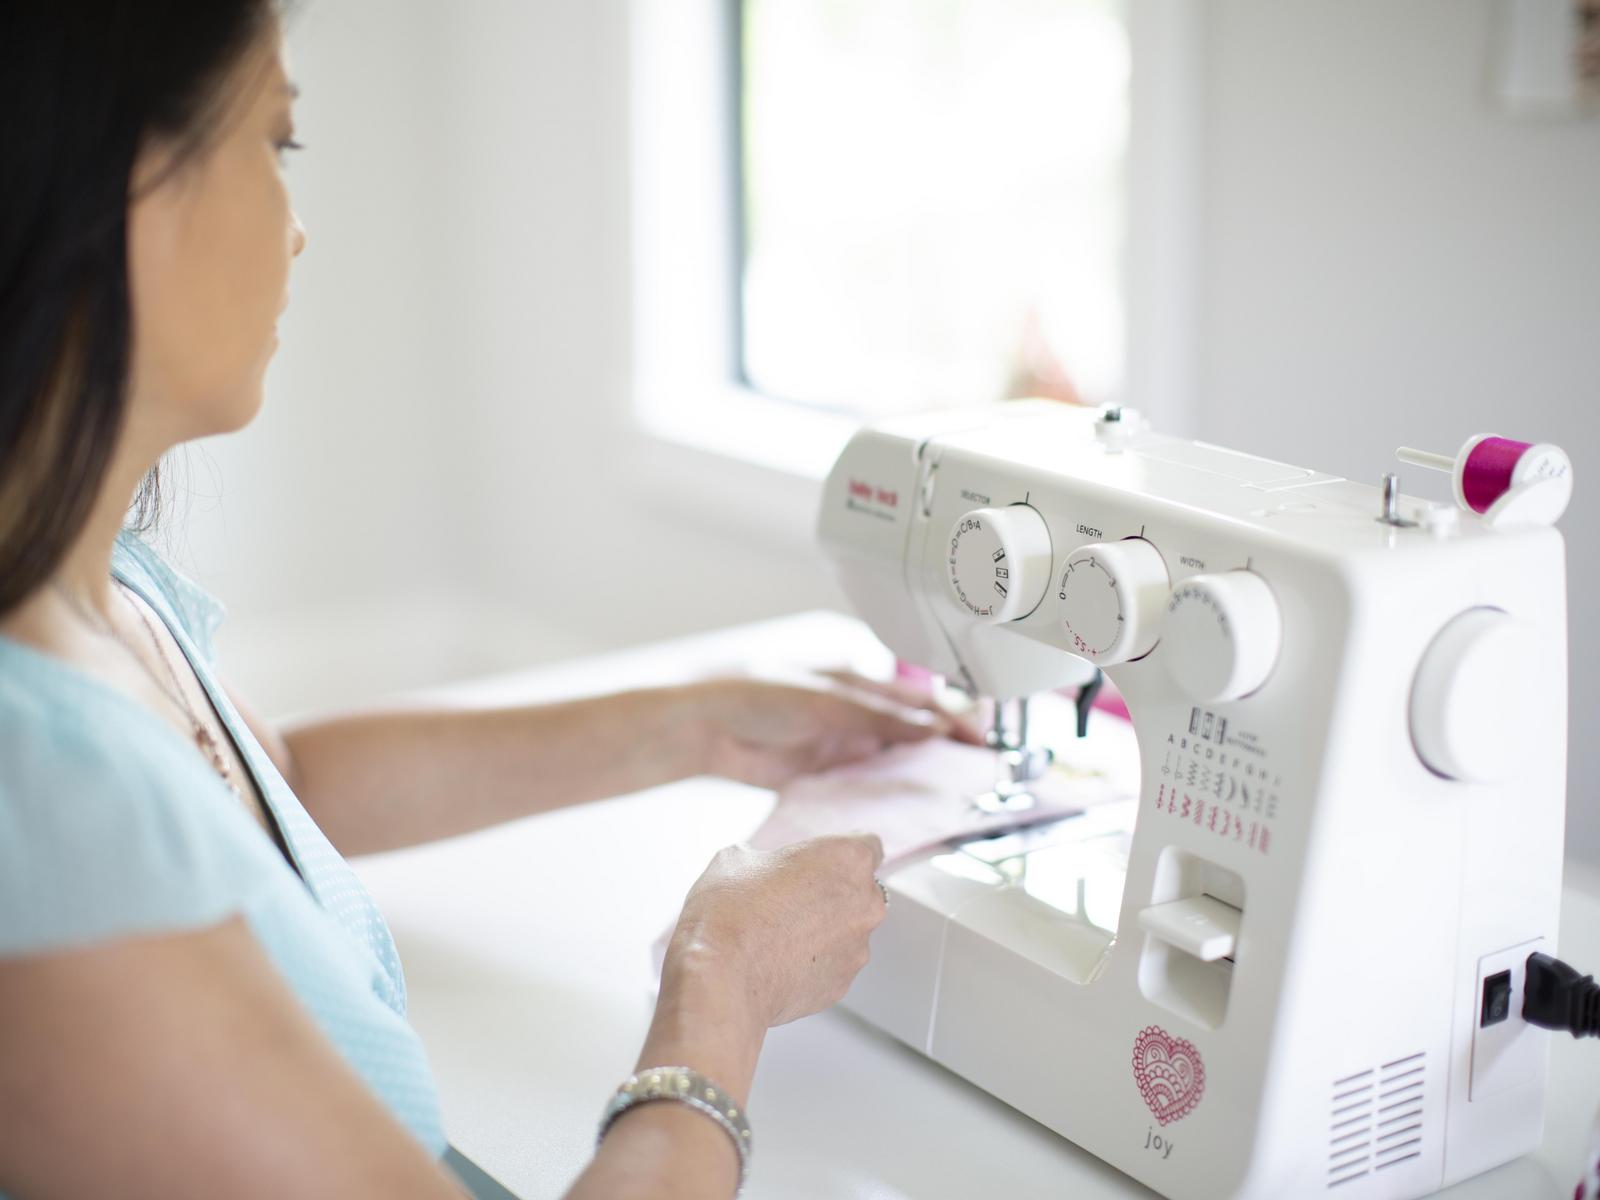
x: 1507, y: 1052
x: 1496, y: 999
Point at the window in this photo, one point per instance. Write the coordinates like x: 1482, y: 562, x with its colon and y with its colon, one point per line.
x: 932, y: 200
x: 843, y: 209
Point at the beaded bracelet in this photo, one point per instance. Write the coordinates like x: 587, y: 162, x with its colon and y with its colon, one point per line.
x: 687, y: 1086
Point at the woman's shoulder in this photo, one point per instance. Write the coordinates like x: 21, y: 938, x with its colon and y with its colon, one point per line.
x: 109, y: 824
x: 135, y: 561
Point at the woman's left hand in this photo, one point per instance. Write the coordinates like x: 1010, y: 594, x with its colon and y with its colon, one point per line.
x: 767, y: 733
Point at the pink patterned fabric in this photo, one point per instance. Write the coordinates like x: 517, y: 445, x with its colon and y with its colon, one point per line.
x: 915, y: 797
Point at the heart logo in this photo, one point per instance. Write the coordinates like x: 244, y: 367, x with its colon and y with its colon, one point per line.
x: 1169, y: 1072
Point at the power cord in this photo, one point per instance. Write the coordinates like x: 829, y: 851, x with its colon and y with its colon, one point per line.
x: 1555, y: 996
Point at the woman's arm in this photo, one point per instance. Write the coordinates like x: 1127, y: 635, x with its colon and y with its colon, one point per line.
x: 384, y: 779
x: 662, y: 1151
x: 765, y: 937
x: 380, y: 780
x: 182, y: 1065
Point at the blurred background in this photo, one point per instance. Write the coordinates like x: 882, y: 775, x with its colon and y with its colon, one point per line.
x: 595, y: 291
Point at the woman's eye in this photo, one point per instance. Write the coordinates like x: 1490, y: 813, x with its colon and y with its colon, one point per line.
x: 286, y: 145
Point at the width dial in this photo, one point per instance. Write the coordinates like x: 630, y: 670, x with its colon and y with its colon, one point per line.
x: 999, y: 562
x: 1110, y: 599
x: 1222, y: 635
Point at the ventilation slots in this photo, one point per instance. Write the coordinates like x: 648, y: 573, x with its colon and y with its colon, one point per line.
x: 1377, y: 1119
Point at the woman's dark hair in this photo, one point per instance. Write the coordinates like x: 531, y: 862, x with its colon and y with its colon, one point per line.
x: 84, y: 86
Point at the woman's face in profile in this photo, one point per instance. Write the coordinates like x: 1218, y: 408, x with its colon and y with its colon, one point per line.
x: 209, y: 249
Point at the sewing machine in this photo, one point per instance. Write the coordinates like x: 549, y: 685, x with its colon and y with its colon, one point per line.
x: 1293, y: 965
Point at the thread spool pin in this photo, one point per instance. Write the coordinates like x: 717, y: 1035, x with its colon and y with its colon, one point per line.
x: 1503, y: 480
x: 1391, y: 501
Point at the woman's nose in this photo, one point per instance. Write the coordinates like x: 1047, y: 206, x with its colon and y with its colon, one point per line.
x: 297, y: 234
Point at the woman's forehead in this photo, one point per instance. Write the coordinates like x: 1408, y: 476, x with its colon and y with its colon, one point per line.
x: 263, y: 77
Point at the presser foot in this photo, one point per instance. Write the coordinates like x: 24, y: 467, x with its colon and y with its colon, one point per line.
x: 1019, y: 766
x: 998, y: 801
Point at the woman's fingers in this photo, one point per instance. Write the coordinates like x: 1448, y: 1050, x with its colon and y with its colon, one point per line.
x: 889, y: 689
x: 909, y: 725
x: 869, y: 842
x: 791, y: 925
x: 766, y: 733
x: 875, y: 844
x: 907, y: 703
x: 886, y: 719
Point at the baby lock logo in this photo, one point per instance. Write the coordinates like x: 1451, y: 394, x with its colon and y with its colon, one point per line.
x: 873, y: 500
x: 1171, y: 1078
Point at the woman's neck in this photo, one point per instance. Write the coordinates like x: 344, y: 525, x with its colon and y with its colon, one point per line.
x: 44, y: 618
x: 85, y: 570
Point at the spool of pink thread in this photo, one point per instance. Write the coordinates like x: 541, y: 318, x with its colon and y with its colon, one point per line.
x: 1485, y: 469
x: 1489, y: 466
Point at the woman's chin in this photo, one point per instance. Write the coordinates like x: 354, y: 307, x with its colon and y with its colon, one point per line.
x: 241, y: 408
x: 243, y: 405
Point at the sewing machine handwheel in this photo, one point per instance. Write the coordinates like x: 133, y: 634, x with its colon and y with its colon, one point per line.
x: 1221, y: 636
x: 1468, y: 718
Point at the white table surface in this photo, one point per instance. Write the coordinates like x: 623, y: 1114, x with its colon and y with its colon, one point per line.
x: 526, y: 956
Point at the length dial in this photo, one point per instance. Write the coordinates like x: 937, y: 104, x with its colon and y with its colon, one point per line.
x: 1110, y: 600
x: 999, y: 562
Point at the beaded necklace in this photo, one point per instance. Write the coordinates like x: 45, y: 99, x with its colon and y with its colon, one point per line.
x: 205, y: 741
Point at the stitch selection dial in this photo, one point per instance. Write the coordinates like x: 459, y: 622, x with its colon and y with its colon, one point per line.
x: 999, y: 562
x: 1110, y: 599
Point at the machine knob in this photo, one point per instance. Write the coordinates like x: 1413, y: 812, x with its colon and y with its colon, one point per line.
x: 1467, y: 721
x: 1000, y: 562
x: 1110, y: 600
x: 1222, y: 635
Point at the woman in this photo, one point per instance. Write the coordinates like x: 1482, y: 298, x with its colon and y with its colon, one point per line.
x: 196, y: 995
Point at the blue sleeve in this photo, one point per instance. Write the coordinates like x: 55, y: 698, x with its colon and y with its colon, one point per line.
x: 109, y: 830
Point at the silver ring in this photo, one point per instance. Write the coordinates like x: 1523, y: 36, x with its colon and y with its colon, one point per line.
x: 882, y: 889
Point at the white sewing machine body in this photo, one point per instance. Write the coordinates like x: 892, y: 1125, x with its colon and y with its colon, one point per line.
x: 1363, y: 898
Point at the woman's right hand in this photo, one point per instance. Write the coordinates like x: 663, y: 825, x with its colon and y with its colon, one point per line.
x: 787, y: 927
x: 766, y: 936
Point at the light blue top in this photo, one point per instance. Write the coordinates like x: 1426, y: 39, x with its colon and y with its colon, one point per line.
x: 112, y: 824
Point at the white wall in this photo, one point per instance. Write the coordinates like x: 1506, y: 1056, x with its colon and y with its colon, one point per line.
x: 539, y: 298
x: 344, y: 528
x: 438, y: 485
x: 1389, y: 260
x: 322, y: 487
